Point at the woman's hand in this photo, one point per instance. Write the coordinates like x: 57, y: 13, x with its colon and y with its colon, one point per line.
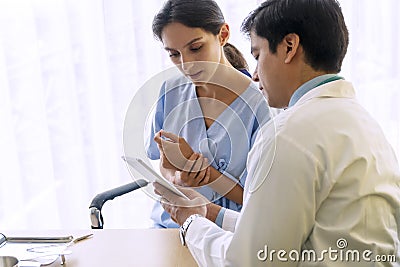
x: 174, y: 150
x: 163, y: 159
x: 196, y: 172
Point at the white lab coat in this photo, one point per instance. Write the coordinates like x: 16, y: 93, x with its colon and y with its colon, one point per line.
x: 322, y: 176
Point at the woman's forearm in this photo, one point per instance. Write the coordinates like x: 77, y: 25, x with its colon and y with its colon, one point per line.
x: 218, y: 182
x: 225, y: 186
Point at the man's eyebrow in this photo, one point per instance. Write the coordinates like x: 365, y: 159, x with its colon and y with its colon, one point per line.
x: 189, y: 43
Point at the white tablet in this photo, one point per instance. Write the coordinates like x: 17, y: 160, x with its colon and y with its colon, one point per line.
x: 151, y: 175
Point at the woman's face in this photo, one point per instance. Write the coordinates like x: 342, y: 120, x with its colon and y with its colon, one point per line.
x: 194, y: 51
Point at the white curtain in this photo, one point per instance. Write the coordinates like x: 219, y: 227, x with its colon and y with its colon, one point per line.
x: 68, y: 71
x: 373, y: 61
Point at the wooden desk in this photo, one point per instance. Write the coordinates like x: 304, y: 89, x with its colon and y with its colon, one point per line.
x: 128, y: 247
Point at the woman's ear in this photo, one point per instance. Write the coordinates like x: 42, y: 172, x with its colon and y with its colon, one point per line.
x: 292, y: 43
x: 224, y: 34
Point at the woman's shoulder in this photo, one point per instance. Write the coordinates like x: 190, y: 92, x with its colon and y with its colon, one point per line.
x: 252, y: 93
x: 177, y: 86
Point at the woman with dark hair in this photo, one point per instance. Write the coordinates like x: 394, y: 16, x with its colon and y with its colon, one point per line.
x: 212, y: 111
x: 236, y: 58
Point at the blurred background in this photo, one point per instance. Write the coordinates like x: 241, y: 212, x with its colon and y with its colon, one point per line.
x: 69, y: 70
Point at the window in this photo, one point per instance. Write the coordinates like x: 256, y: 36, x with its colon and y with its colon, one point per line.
x: 68, y: 71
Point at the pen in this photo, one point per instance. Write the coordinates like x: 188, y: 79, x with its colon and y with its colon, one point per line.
x: 78, y: 239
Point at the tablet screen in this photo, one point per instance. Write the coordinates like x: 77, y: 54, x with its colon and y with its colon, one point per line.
x: 148, y: 173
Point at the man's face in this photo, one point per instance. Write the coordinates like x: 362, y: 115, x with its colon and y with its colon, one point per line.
x: 270, y: 71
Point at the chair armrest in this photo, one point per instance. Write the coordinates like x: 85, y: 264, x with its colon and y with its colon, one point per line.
x: 99, y: 200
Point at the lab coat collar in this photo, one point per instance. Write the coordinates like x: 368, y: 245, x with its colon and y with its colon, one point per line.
x: 335, y: 89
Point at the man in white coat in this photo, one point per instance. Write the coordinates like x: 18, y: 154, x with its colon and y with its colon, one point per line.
x: 323, y: 185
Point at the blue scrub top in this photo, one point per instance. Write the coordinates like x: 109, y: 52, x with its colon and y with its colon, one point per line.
x: 225, y: 143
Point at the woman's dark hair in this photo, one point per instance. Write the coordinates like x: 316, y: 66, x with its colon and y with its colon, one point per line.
x: 235, y: 57
x: 204, y: 14
x: 319, y: 24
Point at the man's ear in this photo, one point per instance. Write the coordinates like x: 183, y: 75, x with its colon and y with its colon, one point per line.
x: 224, y: 34
x: 292, y: 43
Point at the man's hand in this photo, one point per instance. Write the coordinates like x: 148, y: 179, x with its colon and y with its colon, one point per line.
x: 179, y: 208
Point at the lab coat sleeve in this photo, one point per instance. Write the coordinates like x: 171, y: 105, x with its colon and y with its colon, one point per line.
x: 278, y: 212
x: 207, y: 242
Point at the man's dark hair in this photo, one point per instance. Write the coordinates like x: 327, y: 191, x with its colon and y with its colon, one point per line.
x: 319, y: 24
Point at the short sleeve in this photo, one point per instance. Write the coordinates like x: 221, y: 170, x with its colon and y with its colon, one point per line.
x: 262, y: 116
x: 155, y: 125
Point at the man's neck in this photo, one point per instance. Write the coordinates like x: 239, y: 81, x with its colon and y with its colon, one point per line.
x: 308, y: 74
